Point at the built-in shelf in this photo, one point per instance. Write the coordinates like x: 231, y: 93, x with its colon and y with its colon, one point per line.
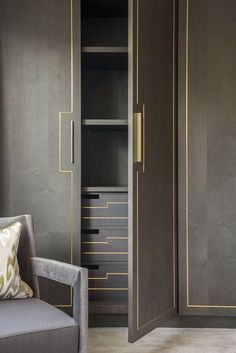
x: 105, y: 189
x: 104, y: 60
x: 104, y: 8
x: 105, y: 122
x: 96, y: 50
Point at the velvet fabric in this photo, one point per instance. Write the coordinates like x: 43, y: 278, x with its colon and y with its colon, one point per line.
x: 63, y: 332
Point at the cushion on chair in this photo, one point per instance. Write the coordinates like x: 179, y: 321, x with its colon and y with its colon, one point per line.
x: 31, y: 325
x: 11, y: 285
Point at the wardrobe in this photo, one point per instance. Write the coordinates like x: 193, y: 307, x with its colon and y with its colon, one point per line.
x: 117, y: 135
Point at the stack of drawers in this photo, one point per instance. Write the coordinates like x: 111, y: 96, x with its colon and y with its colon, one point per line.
x: 105, y: 247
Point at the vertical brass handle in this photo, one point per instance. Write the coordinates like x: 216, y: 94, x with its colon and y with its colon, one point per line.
x: 138, y: 126
x: 72, y: 142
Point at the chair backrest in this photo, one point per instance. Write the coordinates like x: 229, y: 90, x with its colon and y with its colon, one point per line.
x: 26, y: 249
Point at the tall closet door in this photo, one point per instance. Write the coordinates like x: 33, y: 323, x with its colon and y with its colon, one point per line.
x: 152, y: 179
x: 40, y: 127
x: 207, y: 157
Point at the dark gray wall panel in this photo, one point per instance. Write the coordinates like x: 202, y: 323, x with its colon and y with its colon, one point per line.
x: 207, y: 136
x: 35, y: 52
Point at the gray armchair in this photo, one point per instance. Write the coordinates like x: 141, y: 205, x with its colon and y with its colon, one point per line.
x: 32, y: 325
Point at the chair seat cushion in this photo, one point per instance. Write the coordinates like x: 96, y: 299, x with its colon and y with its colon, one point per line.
x: 31, y: 325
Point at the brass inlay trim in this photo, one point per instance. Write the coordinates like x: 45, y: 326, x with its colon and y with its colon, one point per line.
x: 186, y: 137
x: 137, y: 56
x: 60, y: 167
x: 187, y: 178
x: 139, y: 327
x: 156, y: 318
x: 104, y: 217
x: 109, y: 274
x: 104, y: 253
x: 110, y: 203
x: 107, y: 242
x: 72, y: 142
x: 174, y: 154
x: 108, y: 289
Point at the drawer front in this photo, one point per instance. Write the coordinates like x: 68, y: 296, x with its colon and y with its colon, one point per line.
x: 108, y: 280
x: 108, y: 240
x: 104, y: 209
x: 104, y: 256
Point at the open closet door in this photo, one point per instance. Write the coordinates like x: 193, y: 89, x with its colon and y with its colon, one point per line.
x: 152, y: 179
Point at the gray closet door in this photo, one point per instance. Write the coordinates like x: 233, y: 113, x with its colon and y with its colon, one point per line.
x: 152, y: 179
x: 40, y: 125
x: 207, y: 157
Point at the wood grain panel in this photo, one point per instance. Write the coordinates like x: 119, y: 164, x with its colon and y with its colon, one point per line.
x: 207, y: 131
x: 152, y: 182
x: 38, y: 48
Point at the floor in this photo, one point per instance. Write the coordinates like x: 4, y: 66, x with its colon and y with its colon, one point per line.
x: 164, y: 340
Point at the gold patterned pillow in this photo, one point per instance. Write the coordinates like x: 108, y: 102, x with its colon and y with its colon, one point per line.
x: 11, y: 284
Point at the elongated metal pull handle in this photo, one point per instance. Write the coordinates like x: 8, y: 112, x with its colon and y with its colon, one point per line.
x: 72, y: 142
x: 138, y: 126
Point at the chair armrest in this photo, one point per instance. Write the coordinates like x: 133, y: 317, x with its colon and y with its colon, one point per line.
x: 74, y: 276
x: 56, y: 271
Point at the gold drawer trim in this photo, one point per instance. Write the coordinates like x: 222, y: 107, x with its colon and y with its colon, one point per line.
x: 109, y: 203
x: 104, y: 253
x: 104, y: 217
x: 108, y: 289
x: 107, y: 242
x: 109, y: 274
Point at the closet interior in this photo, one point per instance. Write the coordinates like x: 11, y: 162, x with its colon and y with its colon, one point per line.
x: 104, y: 154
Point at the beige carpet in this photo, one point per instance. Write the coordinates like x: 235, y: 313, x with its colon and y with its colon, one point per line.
x: 164, y: 340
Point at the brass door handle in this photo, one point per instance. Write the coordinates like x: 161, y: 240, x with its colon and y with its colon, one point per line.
x: 72, y: 142
x: 138, y: 134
